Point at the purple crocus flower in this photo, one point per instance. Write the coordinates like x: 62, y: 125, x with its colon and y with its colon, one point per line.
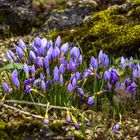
x: 11, y: 54
x: 56, y: 70
x: 5, y: 87
x: 16, y: 82
x: 37, y: 42
x: 35, y: 50
x: 33, y: 71
x: 70, y: 88
x: 58, y: 41
x: 100, y: 56
x: 80, y: 91
x: 48, y: 84
x: 68, y: 118
x: 40, y: 51
x: 80, y: 59
x: 88, y: 122
x: 94, y: 62
x: 43, y: 42
x: 41, y: 76
x: 19, y: 52
x: 27, y: 89
x: 55, y: 53
x: 64, y: 48
x: 72, y: 66
x: 74, y: 82
x: 131, y: 88
x: 91, y: 100
x: 22, y: 45
x: 123, y: 62
x: 113, y: 75
x: 127, y: 82
x: 49, y: 44
x: 62, y: 68
x: 46, y: 62
x: 26, y: 70
x: 46, y: 120
x: 116, y: 127
x: 131, y: 64
x: 29, y: 81
x: 43, y: 85
x: 32, y: 56
x: 75, y: 52
x: 107, y: 75
x: 105, y: 60
x: 49, y: 53
x: 56, y: 77
x: 39, y: 62
x: 61, y: 80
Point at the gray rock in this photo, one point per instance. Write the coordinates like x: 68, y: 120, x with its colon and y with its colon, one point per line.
x: 72, y: 14
x: 17, y: 16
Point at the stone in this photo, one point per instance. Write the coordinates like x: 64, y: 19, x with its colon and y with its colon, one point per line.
x: 69, y: 15
x: 16, y: 17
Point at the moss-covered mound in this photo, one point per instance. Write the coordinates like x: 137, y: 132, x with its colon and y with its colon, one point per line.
x: 115, y: 30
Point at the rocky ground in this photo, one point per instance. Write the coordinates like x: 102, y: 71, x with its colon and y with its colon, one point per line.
x: 101, y: 24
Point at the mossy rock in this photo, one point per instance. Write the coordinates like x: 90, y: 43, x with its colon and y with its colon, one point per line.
x: 115, y: 30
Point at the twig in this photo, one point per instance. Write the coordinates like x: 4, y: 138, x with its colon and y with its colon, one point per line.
x: 38, y: 104
x: 21, y: 111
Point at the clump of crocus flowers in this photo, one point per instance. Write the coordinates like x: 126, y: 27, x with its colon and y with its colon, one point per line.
x: 47, y: 66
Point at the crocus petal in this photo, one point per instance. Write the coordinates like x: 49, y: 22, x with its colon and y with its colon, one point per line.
x: 91, y: 100
x: 32, y: 56
x: 58, y: 41
x: 64, y: 48
x: 80, y: 91
x: 19, y: 52
x: 26, y: 70
x: 22, y: 45
x: 62, y: 68
x: 39, y: 62
x: 5, y: 87
x: 70, y: 88
x: 116, y: 127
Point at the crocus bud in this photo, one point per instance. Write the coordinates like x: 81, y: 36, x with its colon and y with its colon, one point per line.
x: 58, y: 41
x: 5, y: 87
x: 61, y: 80
x: 19, y: 52
x: 70, y: 88
x: 37, y: 42
x: 12, y: 55
x: 32, y: 56
x: 116, y: 127
x: 80, y: 91
x: 43, y: 85
x: 75, y: 52
x: 26, y: 70
x: 94, y: 62
x: 62, y: 68
x: 40, y: 51
x: 46, y: 61
x: 75, y: 122
x: 91, y: 100
x: 46, y: 119
x: 64, y: 48
x: 43, y: 42
x: 22, y: 45
x: 39, y: 62
x: 33, y: 71
x: 68, y: 117
x: 15, y: 80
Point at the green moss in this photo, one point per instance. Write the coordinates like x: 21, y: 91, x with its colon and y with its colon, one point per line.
x: 114, y: 30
